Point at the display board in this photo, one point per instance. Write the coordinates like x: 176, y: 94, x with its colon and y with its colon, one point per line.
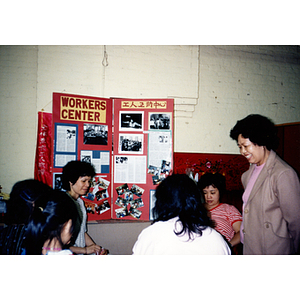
x: 142, y: 156
x: 131, y: 149
x: 82, y: 130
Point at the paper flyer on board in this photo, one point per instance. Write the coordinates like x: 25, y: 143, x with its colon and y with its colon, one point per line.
x: 130, y: 169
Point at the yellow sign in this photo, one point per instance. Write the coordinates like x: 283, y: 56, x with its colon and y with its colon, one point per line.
x: 82, y: 109
x: 150, y: 104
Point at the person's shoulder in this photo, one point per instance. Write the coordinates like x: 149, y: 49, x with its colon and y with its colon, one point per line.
x: 159, y: 228
x: 280, y: 167
x: 223, y: 207
x: 213, y: 234
x: 228, y: 207
x: 80, y: 200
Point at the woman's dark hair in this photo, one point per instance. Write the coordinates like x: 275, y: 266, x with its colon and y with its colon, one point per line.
x: 258, y: 129
x: 22, y: 199
x: 75, y: 169
x: 48, y: 219
x: 217, y: 180
x: 178, y: 196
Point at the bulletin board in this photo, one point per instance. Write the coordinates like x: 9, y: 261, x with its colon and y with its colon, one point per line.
x: 142, y: 156
x: 82, y: 130
x: 129, y: 142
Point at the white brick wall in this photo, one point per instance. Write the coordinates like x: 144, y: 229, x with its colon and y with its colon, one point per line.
x: 151, y: 71
x: 18, y: 112
x: 234, y: 82
x: 213, y: 86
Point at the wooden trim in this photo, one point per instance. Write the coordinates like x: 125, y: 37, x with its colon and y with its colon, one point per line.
x: 288, y: 124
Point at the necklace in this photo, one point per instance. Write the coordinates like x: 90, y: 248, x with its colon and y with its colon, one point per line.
x: 51, y: 249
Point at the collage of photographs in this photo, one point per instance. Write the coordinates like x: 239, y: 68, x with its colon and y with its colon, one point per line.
x: 142, y: 159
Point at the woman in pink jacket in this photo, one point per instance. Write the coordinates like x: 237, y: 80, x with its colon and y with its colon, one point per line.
x: 271, y: 199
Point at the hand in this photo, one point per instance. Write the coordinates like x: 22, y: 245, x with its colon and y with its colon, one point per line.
x: 103, y: 251
x: 98, y: 250
x: 92, y: 249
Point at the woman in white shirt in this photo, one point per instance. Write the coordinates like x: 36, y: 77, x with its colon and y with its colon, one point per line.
x: 181, y: 224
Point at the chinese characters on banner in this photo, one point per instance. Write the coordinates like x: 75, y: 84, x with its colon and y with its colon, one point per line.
x: 43, y: 164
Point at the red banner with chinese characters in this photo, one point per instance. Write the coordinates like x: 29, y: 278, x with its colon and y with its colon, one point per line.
x: 43, y: 162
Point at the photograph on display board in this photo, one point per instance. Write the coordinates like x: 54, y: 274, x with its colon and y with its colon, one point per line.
x: 131, y: 121
x: 129, y: 200
x: 166, y: 167
x: 160, y: 121
x: 160, y: 173
x: 103, y: 183
x: 97, y: 190
x: 121, y: 212
x: 136, y: 203
x: 131, y: 143
x: 57, y: 181
x: 97, y: 198
x: 135, y: 189
x: 157, y: 179
x: 94, y: 134
x: 97, y: 208
x: 153, y: 170
x: 122, y: 189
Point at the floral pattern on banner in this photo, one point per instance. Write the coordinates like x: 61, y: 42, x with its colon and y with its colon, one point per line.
x: 43, y: 167
x: 196, y: 164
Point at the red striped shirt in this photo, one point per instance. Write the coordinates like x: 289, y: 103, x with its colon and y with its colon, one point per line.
x: 225, y: 216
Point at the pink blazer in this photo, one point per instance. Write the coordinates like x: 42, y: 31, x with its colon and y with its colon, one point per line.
x: 271, y: 216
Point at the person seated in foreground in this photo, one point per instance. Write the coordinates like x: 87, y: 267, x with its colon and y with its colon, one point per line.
x: 51, y: 225
x: 181, y: 224
x: 227, y: 218
x: 20, y: 206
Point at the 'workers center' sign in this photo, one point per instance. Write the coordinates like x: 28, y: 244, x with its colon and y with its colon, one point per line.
x: 82, y: 109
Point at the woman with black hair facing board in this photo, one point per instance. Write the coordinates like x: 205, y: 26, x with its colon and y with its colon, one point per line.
x: 20, y: 207
x: 181, y: 224
x: 51, y: 225
x: 76, y: 179
x: 271, y: 200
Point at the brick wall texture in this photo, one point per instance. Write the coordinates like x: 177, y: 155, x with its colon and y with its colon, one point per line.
x: 213, y: 86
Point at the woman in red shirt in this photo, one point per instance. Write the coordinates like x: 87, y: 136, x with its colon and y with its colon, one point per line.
x: 226, y: 217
